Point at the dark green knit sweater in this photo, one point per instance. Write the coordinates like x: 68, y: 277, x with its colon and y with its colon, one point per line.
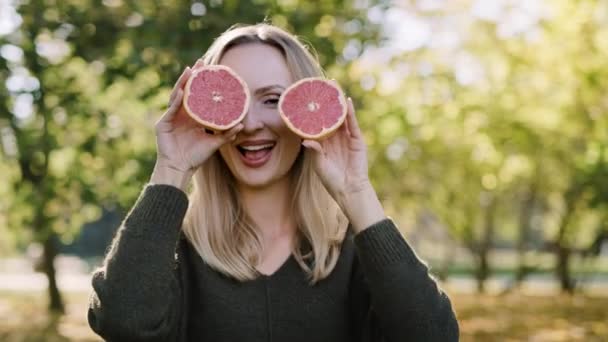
x: 155, y: 287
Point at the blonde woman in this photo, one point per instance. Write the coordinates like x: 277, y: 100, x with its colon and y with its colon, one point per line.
x: 287, y: 244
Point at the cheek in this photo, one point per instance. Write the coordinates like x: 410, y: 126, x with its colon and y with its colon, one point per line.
x: 292, y: 144
x: 223, y: 150
x: 226, y: 154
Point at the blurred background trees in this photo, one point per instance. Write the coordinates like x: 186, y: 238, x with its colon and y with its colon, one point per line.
x: 83, y: 85
x: 487, y: 119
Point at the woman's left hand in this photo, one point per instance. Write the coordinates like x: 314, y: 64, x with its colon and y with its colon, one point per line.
x: 341, y: 163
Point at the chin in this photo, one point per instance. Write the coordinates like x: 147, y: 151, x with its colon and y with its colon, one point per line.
x: 256, y: 180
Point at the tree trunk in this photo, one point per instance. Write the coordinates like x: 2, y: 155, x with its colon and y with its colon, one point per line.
x: 49, y: 254
x: 563, y: 269
x: 525, y: 218
x: 483, y: 265
x: 483, y: 271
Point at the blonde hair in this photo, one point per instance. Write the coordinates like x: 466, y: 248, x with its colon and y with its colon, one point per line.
x: 216, y: 223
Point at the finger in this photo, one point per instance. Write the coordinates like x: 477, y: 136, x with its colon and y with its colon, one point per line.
x: 314, y: 145
x: 351, y: 120
x: 199, y: 64
x: 344, y: 126
x: 173, y: 108
x: 220, y: 138
x: 181, y: 81
x: 230, y: 134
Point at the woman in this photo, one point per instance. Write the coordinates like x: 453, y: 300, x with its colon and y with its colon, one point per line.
x: 293, y: 247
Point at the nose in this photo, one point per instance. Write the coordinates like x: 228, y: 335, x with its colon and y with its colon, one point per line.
x: 253, y: 121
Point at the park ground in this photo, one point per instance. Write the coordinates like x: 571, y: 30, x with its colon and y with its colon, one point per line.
x: 491, y: 317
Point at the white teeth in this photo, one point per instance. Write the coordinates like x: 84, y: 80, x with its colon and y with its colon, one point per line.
x: 256, y: 147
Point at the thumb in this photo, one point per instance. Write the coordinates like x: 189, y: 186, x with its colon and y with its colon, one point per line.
x: 318, y: 154
x: 313, y: 145
x: 229, y: 135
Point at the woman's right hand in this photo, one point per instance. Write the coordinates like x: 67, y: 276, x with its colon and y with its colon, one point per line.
x: 182, y: 143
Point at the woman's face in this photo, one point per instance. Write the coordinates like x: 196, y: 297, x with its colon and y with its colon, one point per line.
x: 265, y: 149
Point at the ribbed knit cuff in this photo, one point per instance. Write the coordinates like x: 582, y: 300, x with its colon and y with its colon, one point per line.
x: 382, y: 245
x: 159, y: 205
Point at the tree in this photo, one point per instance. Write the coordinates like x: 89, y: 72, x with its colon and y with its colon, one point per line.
x: 99, y: 76
x: 494, y: 128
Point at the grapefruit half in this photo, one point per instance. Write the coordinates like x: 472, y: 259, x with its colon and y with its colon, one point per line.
x: 216, y: 97
x: 313, y: 107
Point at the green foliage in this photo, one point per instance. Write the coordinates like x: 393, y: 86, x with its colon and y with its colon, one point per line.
x: 102, y: 73
x: 532, y: 117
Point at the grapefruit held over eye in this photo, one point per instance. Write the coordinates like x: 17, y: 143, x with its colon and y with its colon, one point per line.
x: 216, y: 97
x: 313, y: 107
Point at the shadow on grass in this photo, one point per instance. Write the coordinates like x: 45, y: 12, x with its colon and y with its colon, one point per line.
x: 23, y: 317
x: 517, y: 317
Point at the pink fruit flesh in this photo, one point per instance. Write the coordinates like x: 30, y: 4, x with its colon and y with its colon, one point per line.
x: 217, y: 97
x: 313, y: 106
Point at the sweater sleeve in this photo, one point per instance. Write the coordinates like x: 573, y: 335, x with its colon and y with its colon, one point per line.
x: 137, y: 293
x: 404, y: 302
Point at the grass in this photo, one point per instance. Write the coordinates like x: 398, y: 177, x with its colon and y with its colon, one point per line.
x: 23, y: 318
x: 513, y: 317
x: 517, y: 317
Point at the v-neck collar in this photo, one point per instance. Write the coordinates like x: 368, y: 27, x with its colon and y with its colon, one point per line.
x: 305, y: 248
x: 279, y: 270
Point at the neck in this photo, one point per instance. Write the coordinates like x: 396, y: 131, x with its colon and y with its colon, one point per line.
x: 269, y: 208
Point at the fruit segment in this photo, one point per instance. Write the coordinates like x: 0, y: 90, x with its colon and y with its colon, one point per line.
x: 313, y: 107
x: 216, y: 97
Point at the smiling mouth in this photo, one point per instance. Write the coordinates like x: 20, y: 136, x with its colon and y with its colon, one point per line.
x: 253, y: 150
x: 256, y: 155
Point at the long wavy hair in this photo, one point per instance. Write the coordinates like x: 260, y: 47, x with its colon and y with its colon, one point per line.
x: 216, y: 224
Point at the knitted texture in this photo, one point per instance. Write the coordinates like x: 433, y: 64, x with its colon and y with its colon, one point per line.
x: 152, y: 288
